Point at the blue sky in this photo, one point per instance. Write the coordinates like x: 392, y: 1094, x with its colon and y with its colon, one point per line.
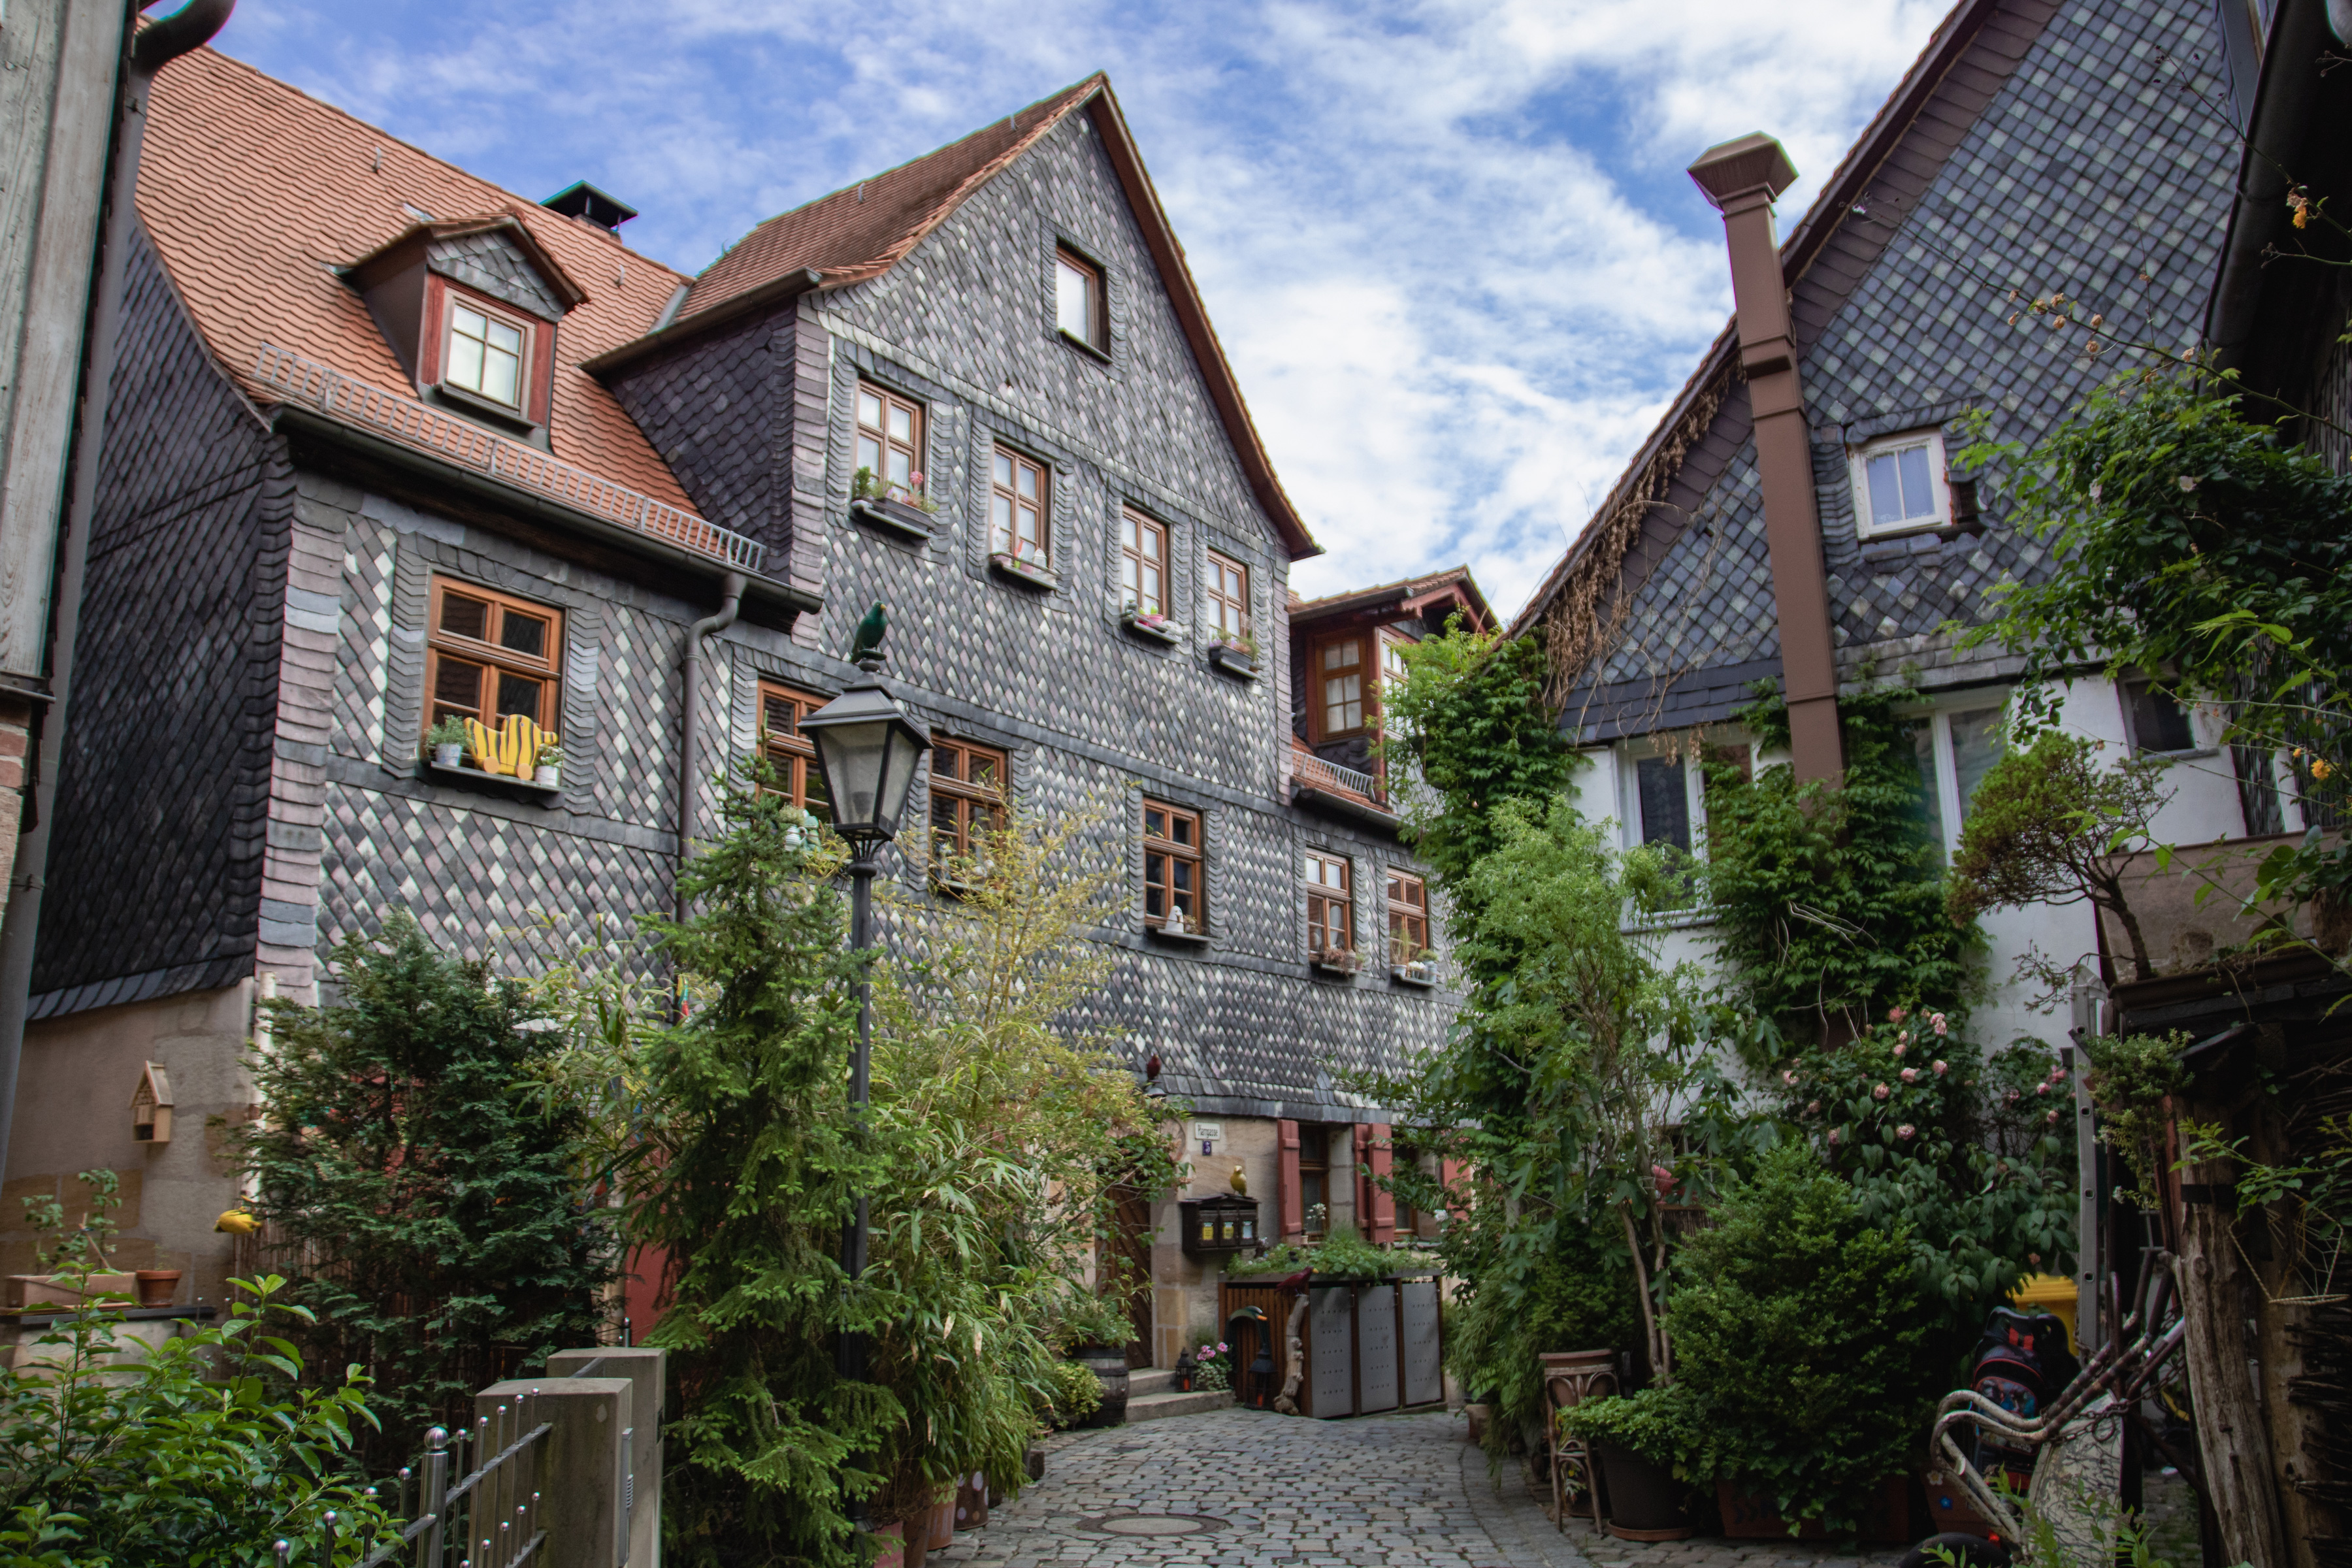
x: 1448, y: 244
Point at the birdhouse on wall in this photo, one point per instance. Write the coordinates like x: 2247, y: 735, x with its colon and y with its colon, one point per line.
x: 151, y: 1106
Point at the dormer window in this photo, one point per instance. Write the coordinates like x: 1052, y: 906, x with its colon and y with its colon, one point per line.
x: 485, y: 354
x: 1899, y: 485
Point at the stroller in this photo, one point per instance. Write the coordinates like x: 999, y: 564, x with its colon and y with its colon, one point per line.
x: 2072, y: 1446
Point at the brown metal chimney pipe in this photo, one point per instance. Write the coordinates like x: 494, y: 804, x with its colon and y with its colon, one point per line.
x: 1742, y: 178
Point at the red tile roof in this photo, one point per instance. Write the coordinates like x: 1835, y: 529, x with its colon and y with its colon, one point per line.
x: 1408, y: 588
x: 252, y: 191
x: 860, y: 230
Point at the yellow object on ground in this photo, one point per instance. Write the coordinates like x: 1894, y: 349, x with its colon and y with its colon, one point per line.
x: 2052, y: 1293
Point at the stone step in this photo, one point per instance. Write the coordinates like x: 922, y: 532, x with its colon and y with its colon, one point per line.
x: 1154, y: 1407
x: 1146, y: 1380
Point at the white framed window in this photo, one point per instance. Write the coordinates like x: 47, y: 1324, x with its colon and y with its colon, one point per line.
x: 1899, y: 484
x: 486, y: 353
x: 1956, y: 745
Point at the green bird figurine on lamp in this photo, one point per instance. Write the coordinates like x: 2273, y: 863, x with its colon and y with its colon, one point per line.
x: 867, y: 644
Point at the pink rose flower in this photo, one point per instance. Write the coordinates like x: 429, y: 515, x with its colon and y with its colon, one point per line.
x: 1878, y: 1093
x: 1813, y: 1108
x: 1905, y: 1130
x: 1941, y: 1027
x: 2058, y: 1075
x: 1901, y: 1043
x: 1941, y: 1067
x: 1910, y: 1075
x: 1833, y: 1137
x: 1897, y: 1015
x: 1787, y: 1076
x: 2041, y: 1089
x: 2051, y: 1119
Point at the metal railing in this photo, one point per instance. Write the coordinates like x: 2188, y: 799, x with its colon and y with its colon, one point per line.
x: 1318, y: 773
x: 356, y: 403
x: 483, y: 1519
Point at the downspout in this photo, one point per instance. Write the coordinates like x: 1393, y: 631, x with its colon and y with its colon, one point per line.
x: 1742, y: 178
x: 149, y: 51
x: 731, y: 600
x: 2285, y: 94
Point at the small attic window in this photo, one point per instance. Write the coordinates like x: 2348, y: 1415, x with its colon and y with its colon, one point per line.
x: 1899, y: 484
x: 486, y: 353
x: 1078, y: 301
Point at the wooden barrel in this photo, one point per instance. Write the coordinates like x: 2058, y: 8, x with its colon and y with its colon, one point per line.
x: 1109, y: 1363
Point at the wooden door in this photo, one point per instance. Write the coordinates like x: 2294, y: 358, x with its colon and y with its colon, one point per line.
x: 1126, y: 1267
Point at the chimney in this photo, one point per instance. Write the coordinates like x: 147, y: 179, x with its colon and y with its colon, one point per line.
x: 1743, y: 178
x: 582, y: 199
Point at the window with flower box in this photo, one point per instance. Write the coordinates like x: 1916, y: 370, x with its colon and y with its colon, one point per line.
x: 968, y: 797
x: 1175, y: 893
x: 490, y: 656
x: 1330, y: 908
x: 1408, y: 901
x: 791, y: 753
x: 1016, y: 508
x: 1142, y: 565
x: 890, y: 440
x: 1228, y: 600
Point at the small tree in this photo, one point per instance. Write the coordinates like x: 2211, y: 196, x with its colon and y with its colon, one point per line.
x: 439, y: 1225
x: 2050, y: 825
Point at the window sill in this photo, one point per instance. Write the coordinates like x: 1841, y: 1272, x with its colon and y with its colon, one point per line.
x: 1163, y: 631
x: 1232, y: 661
x: 895, y: 518
x: 1399, y: 976
x: 503, y: 414
x: 1028, y: 573
x: 1101, y: 356
x: 1346, y: 967
x: 1177, y: 934
x: 489, y: 784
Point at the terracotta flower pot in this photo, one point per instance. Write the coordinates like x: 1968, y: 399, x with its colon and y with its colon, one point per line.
x: 893, y: 1537
x: 157, y: 1287
x: 943, y: 1520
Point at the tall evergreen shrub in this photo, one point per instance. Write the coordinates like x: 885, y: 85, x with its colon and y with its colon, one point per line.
x: 439, y: 1222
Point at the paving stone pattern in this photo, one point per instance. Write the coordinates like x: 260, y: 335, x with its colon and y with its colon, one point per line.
x: 1381, y: 1491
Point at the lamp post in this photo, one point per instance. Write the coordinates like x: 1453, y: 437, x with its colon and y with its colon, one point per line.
x: 868, y: 745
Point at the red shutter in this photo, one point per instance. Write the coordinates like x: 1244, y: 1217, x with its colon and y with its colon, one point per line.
x: 1450, y: 1172
x: 1294, y: 1208
x: 1383, y: 1208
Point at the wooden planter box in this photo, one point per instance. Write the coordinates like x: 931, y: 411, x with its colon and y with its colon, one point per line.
x: 1233, y: 660
x: 1746, y: 1518
x: 1026, y: 572
x: 895, y: 518
x: 1163, y: 630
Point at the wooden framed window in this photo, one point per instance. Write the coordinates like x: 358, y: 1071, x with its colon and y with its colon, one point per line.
x: 1173, y: 882
x: 890, y: 439
x: 1315, y: 1179
x: 1228, y: 598
x: 1330, y: 905
x: 968, y: 794
x: 789, y: 751
x: 489, y: 656
x: 1408, y: 917
x: 1392, y: 670
x: 1142, y: 565
x: 1016, y: 508
x: 487, y: 353
x: 1078, y: 301
x: 1339, y: 674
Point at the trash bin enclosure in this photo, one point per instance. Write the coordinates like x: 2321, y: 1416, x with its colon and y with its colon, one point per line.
x: 1368, y: 1347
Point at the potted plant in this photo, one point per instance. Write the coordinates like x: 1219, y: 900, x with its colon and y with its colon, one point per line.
x: 1418, y: 969
x: 1650, y: 1448
x: 1234, y: 652
x: 1211, y: 1370
x: 1336, y: 960
x: 903, y: 508
x: 446, y: 742
x: 1019, y: 567
x: 548, y: 773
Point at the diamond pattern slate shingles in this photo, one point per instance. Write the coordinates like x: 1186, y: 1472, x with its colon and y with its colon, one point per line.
x: 252, y: 191
x: 2081, y: 170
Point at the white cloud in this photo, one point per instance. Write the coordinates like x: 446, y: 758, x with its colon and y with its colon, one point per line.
x: 1447, y: 244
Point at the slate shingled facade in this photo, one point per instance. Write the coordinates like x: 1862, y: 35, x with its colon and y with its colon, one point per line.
x: 2040, y: 146
x: 245, y: 789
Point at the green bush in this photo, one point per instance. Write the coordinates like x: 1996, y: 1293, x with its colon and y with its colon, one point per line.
x: 441, y: 1226
x: 1580, y: 1296
x: 1798, y: 1334
x: 1342, y: 1254
x: 1667, y: 1427
x: 203, y: 1452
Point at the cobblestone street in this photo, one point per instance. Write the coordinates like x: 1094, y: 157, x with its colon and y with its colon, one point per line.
x: 1245, y: 1488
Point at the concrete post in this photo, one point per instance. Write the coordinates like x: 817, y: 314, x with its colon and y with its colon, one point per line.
x: 648, y: 1373
x: 577, y: 1472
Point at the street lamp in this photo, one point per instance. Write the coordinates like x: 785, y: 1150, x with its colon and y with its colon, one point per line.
x: 868, y: 745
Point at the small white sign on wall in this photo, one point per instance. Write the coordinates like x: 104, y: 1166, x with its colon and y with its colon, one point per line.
x: 1209, y: 1135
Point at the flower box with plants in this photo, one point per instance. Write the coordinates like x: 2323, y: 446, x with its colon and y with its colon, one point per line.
x: 1151, y: 624
x: 1236, y: 653
x: 1206, y: 1368
x: 516, y: 753
x: 1177, y: 926
x: 1419, y: 969
x: 1022, y: 570
x: 902, y: 509
x: 1336, y: 960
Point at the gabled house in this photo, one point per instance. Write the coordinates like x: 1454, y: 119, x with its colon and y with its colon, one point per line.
x: 1796, y: 514
x: 392, y: 448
